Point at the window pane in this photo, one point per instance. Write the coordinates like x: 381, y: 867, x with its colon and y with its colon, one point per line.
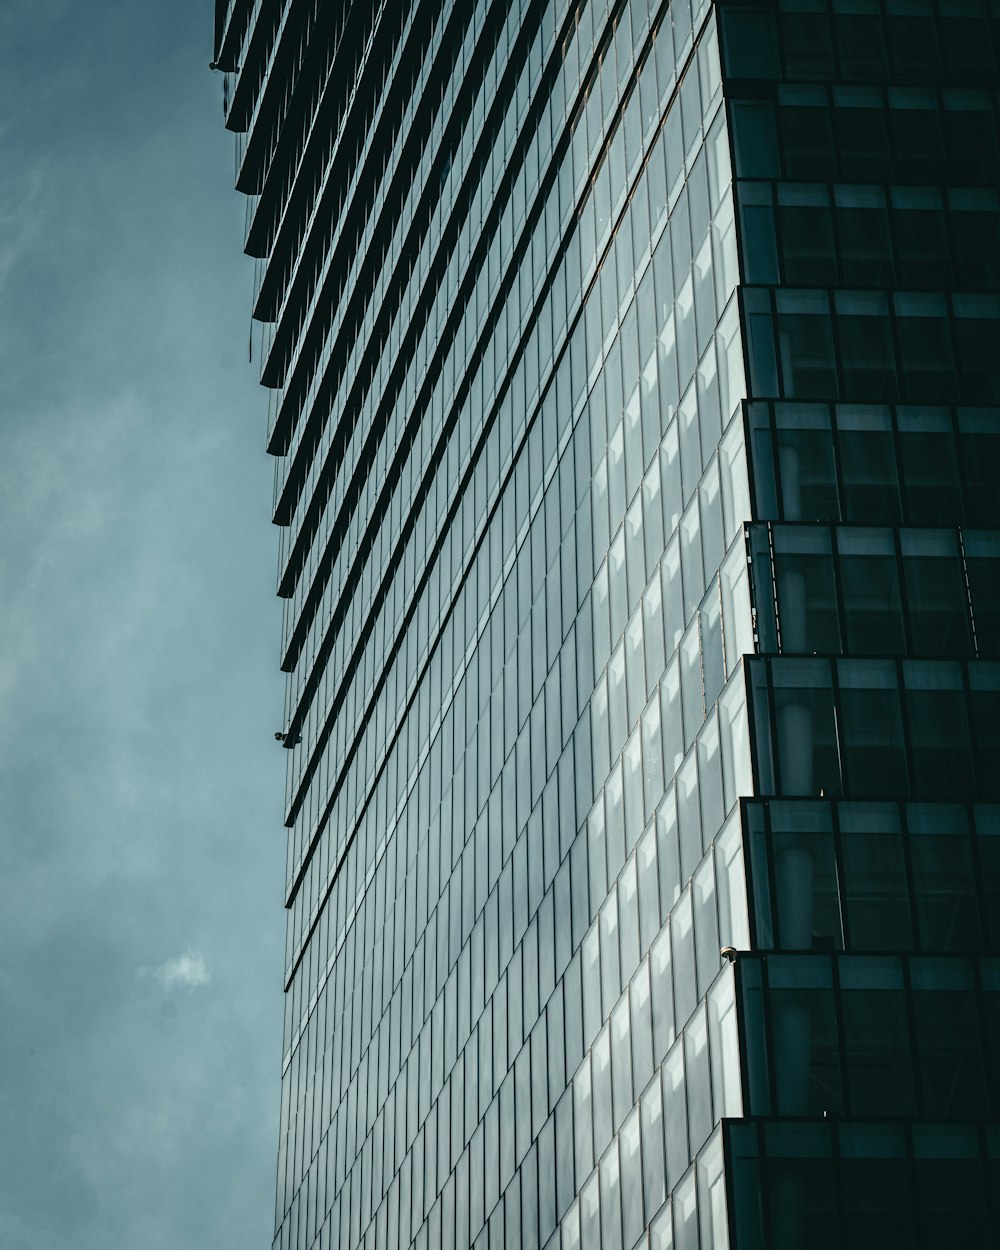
x: 652, y: 1147
x: 807, y: 249
x: 929, y: 466
x: 807, y: 598
x: 873, y: 615
x: 805, y: 461
x: 805, y: 339
x: 876, y: 892
x: 949, y: 1052
x: 982, y: 558
x: 805, y: 877
x: 872, y: 729
x: 939, y: 731
x: 806, y: 733
x: 868, y: 466
x: 876, y: 1035
x: 804, y: 1037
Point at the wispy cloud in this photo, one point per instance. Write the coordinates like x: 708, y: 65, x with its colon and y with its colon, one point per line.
x: 188, y: 970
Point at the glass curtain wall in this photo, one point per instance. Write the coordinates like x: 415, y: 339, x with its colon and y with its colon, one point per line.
x: 499, y: 278
x: 867, y: 161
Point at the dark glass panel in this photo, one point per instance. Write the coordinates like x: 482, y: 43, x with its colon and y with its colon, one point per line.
x: 871, y: 725
x: 759, y: 877
x: 971, y: 138
x: 987, y: 820
x: 749, y: 43
x: 876, y: 890
x: 861, y: 46
x: 763, y: 731
x: 865, y: 240
x: 876, y: 1037
x: 867, y: 359
x: 869, y: 580
x: 949, y: 1047
x: 862, y: 135
x: 951, y: 1196
x: 919, y: 232
x: 966, y: 45
x: 760, y: 342
x: 746, y: 1215
x: 944, y: 884
x: 806, y: 732
x: 914, y: 46
x: 982, y: 562
x: 939, y: 732
x: 974, y: 228
x: 917, y: 135
x: 979, y: 451
x: 931, y: 486
x: 806, y: 463
x: 807, y: 595
x: 935, y: 593
x: 805, y: 340
x: 921, y: 243
x: 801, y: 1196
x: 989, y: 977
x: 755, y: 140
x: 925, y: 352
x: 807, y: 141
x: 977, y: 333
x: 984, y: 682
x: 805, y: 877
x: 760, y: 255
x: 808, y: 254
x: 762, y: 578
x: 868, y: 465
x: 806, y: 1054
x: 750, y: 973
x: 807, y: 42
x: 877, y: 1195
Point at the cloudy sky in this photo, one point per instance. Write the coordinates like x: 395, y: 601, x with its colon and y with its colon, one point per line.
x: 141, y: 848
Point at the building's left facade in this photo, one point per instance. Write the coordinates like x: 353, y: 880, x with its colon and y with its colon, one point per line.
x: 497, y: 283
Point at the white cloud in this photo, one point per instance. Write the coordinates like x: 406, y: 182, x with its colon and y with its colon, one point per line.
x: 188, y: 970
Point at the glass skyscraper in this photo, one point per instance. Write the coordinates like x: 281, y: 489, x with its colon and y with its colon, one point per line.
x: 635, y: 406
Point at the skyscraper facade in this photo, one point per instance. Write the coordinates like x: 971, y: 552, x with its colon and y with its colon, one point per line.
x: 635, y: 406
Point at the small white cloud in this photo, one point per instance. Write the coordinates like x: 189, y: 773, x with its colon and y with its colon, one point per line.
x: 188, y: 970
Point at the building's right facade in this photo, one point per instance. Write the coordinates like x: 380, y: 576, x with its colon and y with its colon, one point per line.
x: 866, y: 174
x: 675, y: 883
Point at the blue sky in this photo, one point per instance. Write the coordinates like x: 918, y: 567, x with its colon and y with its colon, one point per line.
x: 141, y: 846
